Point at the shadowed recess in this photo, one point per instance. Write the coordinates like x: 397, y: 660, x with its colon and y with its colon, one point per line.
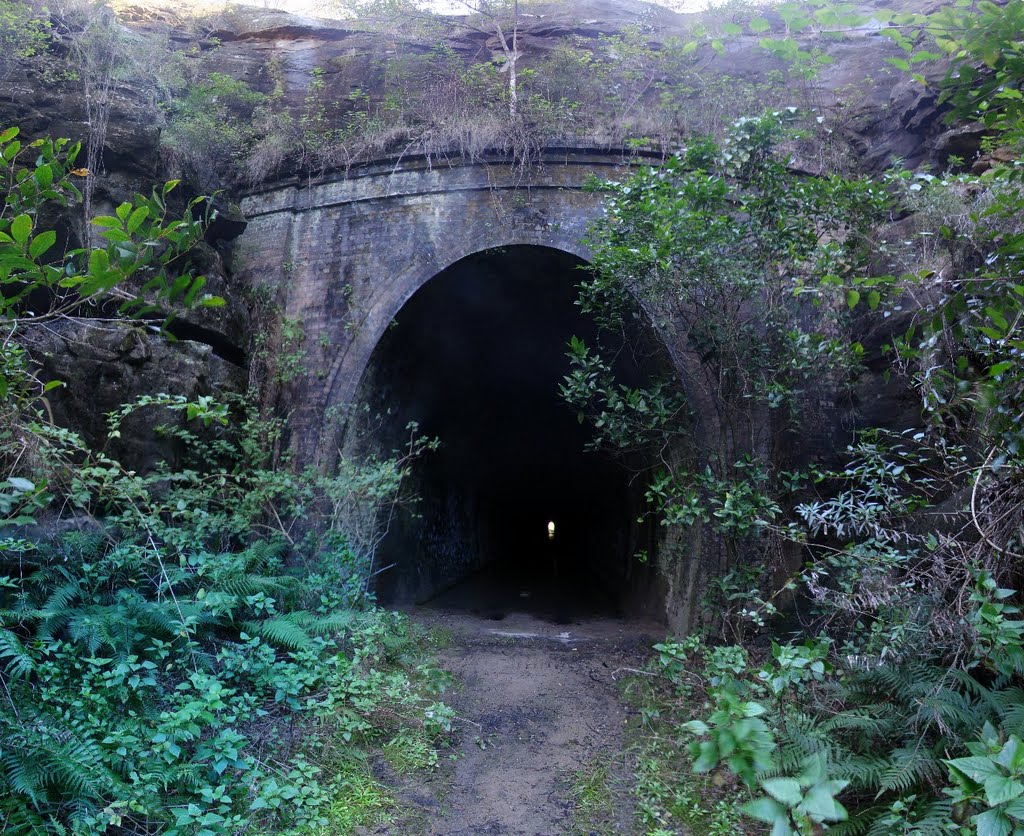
x: 476, y: 358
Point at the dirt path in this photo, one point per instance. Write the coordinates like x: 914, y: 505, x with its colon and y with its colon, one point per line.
x: 538, y: 707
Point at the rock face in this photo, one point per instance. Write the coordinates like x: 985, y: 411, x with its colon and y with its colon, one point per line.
x: 106, y: 365
x: 876, y: 113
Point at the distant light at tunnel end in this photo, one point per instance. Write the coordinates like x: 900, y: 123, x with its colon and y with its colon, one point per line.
x: 551, y: 530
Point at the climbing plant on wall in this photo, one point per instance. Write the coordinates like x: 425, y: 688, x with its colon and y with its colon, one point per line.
x: 897, y: 708
x: 742, y: 266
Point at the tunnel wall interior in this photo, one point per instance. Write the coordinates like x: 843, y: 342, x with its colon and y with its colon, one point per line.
x: 476, y: 358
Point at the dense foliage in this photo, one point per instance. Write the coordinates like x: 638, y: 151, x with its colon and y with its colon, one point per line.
x: 188, y: 650
x: 192, y: 650
x: 897, y: 706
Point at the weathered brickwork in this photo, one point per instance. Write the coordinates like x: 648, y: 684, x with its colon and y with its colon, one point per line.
x: 346, y: 254
x: 343, y: 256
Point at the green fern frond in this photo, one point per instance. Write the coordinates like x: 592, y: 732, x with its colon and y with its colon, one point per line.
x: 262, y: 554
x: 17, y: 817
x: 859, y: 721
x: 858, y: 824
x: 243, y: 585
x: 934, y: 819
x: 88, y: 627
x: 42, y: 760
x: 159, y: 618
x: 1009, y: 705
x: 58, y: 829
x: 16, y: 660
x: 321, y: 625
x: 279, y: 631
x: 23, y: 772
x: 864, y: 771
x: 79, y: 546
x: 59, y: 600
x: 910, y: 766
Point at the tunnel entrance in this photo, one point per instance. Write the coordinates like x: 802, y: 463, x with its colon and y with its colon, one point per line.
x: 475, y: 358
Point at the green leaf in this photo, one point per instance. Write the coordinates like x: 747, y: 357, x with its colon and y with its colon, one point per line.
x: 852, y: 298
x: 707, y: 757
x: 999, y: 368
x: 758, y: 25
x: 785, y: 790
x: 136, y: 219
x: 116, y: 235
x: 9, y: 134
x: 98, y: 262
x: 993, y: 823
x: 1015, y: 809
x: 997, y: 317
x: 1011, y: 756
x: 874, y: 297
x: 999, y: 789
x: 197, y: 285
x: 41, y: 243
x: 976, y: 768
x: 21, y: 228
x: 767, y: 810
x: 44, y: 176
x: 821, y: 805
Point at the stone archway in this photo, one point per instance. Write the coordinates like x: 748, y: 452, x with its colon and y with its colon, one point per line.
x: 345, y: 255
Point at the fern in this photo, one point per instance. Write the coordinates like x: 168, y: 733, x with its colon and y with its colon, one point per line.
x: 43, y: 759
x: 158, y: 617
x: 910, y: 766
x: 81, y: 546
x: 1009, y: 707
x: 15, y: 817
x: 859, y: 823
x: 17, y: 661
x: 934, y: 819
x: 279, y: 631
x: 864, y: 771
x: 322, y: 625
x: 262, y: 554
x: 863, y: 721
x: 243, y: 585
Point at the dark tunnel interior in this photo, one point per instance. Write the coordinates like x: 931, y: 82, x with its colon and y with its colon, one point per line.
x: 476, y: 358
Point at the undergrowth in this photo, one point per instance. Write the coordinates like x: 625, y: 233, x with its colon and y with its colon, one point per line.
x: 593, y: 791
x: 189, y: 650
x: 150, y: 689
x: 890, y: 699
x: 669, y: 797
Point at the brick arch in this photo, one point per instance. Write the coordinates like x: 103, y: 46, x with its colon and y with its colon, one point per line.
x: 347, y: 369
x: 343, y: 255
